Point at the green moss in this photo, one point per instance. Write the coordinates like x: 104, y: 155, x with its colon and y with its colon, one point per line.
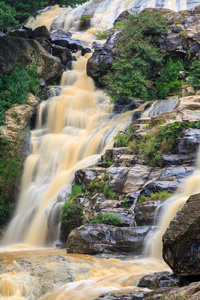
x: 101, y: 34
x: 161, y: 196
x: 107, y: 218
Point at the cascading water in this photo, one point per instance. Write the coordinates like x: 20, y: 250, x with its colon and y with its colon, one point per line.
x: 103, y: 13
x: 73, y: 129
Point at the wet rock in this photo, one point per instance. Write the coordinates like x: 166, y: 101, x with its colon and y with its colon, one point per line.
x: 190, y: 292
x: 101, y: 238
x: 120, y: 107
x: 145, y: 213
x: 72, y: 44
x: 41, y: 31
x: 135, y: 295
x: 62, y: 53
x: 157, y: 280
x: 30, y: 52
x: 122, y: 17
x: 189, y: 142
x: 45, y: 43
x: 129, y: 180
x: 84, y: 176
x: 100, y: 62
x: 21, y: 33
x: 181, y: 242
x: 178, y: 159
x: 29, y: 31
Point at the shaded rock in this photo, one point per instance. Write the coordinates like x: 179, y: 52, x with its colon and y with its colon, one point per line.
x: 72, y: 44
x: 178, y: 159
x: 181, y: 241
x: 118, y: 108
x: 145, y: 213
x: 22, y: 33
x: 41, y: 31
x: 101, y: 238
x: 100, y: 62
x: 189, y: 142
x: 190, y: 292
x: 29, y: 52
x: 129, y: 180
x: 135, y: 295
x: 122, y: 17
x: 159, y: 279
x: 29, y: 31
x: 62, y: 53
x: 45, y: 43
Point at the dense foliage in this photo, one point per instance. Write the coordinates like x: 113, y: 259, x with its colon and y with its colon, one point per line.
x: 71, y: 213
x: 15, y: 85
x: 10, y: 166
x: 137, y: 57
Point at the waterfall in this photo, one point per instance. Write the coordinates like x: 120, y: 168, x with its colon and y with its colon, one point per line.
x: 73, y: 130
x: 103, y: 13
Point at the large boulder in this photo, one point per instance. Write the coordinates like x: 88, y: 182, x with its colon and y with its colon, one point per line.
x: 101, y: 238
x: 181, y: 241
x: 14, y: 50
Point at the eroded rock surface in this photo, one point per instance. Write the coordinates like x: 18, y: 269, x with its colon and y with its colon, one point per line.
x: 181, y: 241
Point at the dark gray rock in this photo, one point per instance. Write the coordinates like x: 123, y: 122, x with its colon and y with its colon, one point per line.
x: 181, y: 241
x: 189, y: 142
x: 101, y: 60
x: 21, y: 33
x: 101, y: 238
x: 145, y: 213
x: 41, y: 31
x: 45, y: 43
x: 157, y: 280
x: 30, y: 52
x: 135, y: 295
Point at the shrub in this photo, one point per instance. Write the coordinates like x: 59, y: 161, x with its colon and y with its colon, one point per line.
x: 137, y: 57
x: 195, y: 73
x: 107, y: 218
x: 169, y: 80
x: 101, y: 34
x: 71, y: 213
x: 108, y: 193
x: 15, y: 85
x: 76, y: 191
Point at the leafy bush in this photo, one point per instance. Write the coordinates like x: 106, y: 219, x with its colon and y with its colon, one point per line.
x: 195, y: 74
x: 10, y: 175
x: 137, y: 57
x: 108, y: 193
x: 107, y: 218
x: 71, y: 213
x: 101, y: 34
x: 7, y: 16
x: 15, y: 85
x: 169, y: 80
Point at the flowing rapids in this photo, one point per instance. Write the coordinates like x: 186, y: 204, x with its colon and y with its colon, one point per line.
x: 103, y: 12
x: 73, y: 129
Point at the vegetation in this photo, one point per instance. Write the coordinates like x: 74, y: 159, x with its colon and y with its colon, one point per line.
x: 137, y: 57
x: 161, y: 140
x: 15, y: 85
x: 107, y: 218
x: 101, y: 34
x: 161, y: 196
x: 10, y: 170
x: 72, y: 212
x: 101, y: 186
